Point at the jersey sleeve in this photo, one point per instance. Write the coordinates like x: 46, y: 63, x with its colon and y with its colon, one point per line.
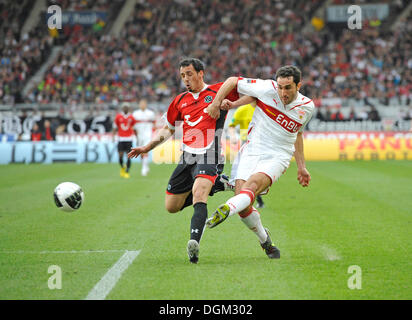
x: 311, y: 109
x: 233, y: 95
x: 173, y: 114
x: 254, y: 87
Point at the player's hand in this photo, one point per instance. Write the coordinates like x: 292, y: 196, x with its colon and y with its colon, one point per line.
x: 213, y: 110
x: 226, y: 104
x: 303, y: 177
x: 135, y: 152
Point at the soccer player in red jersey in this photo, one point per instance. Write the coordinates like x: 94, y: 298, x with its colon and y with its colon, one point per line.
x: 201, y: 162
x: 123, y: 126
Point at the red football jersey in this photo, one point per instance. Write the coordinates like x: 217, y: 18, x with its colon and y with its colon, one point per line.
x: 124, y: 124
x: 198, y: 127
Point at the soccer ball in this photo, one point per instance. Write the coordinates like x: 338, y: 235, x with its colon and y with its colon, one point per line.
x: 68, y: 196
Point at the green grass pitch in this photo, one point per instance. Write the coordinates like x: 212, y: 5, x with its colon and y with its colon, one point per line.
x: 353, y: 214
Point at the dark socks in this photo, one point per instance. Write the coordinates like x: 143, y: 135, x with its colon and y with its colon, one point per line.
x: 198, y: 221
x: 259, y: 200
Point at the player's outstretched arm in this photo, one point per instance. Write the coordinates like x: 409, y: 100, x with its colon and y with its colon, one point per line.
x: 214, y: 108
x: 303, y: 173
x: 227, y: 104
x: 161, y: 136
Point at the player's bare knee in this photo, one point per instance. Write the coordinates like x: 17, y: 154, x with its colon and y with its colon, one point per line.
x: 200, y: 194
x: 257, y: 183
x: 172, y: 207
x: 238, y: 186
x: 201, y: 190
x: 252, y: 185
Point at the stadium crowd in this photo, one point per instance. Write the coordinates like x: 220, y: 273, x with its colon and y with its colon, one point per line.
x: 79, y: 5
x: 20, y: 56
x: 363, y: 64
x: 142, y: 59
x: 232, y: 37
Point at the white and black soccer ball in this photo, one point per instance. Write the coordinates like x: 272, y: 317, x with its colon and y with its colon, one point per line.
x: 68, y: 196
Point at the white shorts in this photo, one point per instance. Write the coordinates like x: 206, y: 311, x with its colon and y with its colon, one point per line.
x: 272, y: 164
x: 142, y: 140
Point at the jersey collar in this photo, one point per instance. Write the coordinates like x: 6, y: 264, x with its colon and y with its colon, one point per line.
x: 196, y: 95
x: 290, y: 105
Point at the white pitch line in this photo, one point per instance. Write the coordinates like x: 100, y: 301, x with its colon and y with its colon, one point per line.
x: 109, y: 280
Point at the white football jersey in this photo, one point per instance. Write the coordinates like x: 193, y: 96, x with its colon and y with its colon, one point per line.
x: 274, y: 126
x: 145, y: 121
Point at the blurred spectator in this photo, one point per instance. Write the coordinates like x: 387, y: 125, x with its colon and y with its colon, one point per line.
x: 328, y: 114
x: 36, y: 134
x: 319, y: 114
x: 352, y: 115
x: 363, y: 114
x: 374, y: 114
x: 49, y: 131
x: 337, y: 115
x: 407, y: 115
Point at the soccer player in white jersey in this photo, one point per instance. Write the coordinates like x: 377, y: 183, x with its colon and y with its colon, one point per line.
x: 145, y: 119
x: 275, y: 136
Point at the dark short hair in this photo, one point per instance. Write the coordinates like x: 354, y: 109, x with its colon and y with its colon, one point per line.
x: 289, y: 71
x: 196, y: 63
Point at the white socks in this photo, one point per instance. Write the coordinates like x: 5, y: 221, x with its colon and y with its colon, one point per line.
x: 241, y: 201
x: 145, y: 165
x: 252, y: 220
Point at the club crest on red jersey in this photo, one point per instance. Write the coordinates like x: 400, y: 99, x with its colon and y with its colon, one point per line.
x: 208, y: 99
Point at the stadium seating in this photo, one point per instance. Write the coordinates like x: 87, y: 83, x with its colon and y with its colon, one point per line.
x: 20, y: 55
x: 249, y: 38
x: 143, y: 60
